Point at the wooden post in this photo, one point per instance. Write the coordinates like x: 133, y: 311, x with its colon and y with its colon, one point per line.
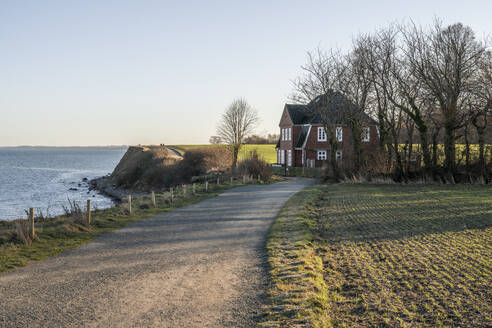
x: 218, y: 181
x: 152, y: 198
x: 184, y: 190
x: 206, y: 185
x: 194, y: 188
x: 31, y: 220
x: 88, y: 212
x: 130, y: 204
x: 232, y: 179
x: 172, y: 194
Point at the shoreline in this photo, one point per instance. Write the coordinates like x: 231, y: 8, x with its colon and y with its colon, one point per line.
x: 110, y: 190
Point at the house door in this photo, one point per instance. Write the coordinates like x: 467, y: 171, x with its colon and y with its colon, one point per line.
x: 289, y: 157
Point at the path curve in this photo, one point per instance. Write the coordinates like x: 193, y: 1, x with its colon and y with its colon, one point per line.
x: 198, y: 266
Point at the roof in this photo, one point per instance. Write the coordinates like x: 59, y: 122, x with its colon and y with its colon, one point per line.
x: 302, y: 136
x: 334, y: 102
x: 278, y: 144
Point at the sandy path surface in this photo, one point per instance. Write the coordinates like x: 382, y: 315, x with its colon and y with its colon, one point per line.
x: 198, y: 266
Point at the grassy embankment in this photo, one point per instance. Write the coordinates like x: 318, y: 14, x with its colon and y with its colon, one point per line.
x: 62, y: 233
x: 383, y: 256
x: 268, y: 152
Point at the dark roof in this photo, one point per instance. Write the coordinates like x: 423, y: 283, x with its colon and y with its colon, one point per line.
x: 333, y: 101
x: 302, y: 136
x: 278, y: 144
x: 296, y: 112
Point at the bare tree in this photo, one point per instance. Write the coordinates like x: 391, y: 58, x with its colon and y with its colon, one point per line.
x: 353, y: 80
x: 238, y: 122
x: 318, y: 81
x: 445, y: 60
x: 480, y: 104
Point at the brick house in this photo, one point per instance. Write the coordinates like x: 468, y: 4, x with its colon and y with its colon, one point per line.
x: 304, y: 143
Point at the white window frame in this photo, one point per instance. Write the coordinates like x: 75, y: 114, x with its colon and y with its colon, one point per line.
x: 321, y: 134
x: 366, y: 134
x: 289, y: 134
x: 282, y: 156
x: 339, y: 155
x: 289, y: 157
x: 321, y: 156
x: 283, y: 134
x: 339, y: 133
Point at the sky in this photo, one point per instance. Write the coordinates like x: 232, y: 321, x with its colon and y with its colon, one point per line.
x: 119, y: 72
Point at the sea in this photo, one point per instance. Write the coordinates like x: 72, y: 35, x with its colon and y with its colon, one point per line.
x: 46, y: 178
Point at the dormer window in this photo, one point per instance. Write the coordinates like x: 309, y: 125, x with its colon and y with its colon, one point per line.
x: 321, y: 134
x: 366, y: 134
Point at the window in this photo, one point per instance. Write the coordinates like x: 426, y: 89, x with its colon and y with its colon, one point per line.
x: 338, y: 155
x: 286, y: 134
x: 366, y: 134
x: 289, y: 157
x: 339, y: 133
x: 321, y: 155
x: 321, y: 134
x: 278, y: 157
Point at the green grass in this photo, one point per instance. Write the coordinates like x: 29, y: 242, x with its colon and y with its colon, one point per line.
x: 268, y: 152
x: 59, y: 234
x: 391, y: 256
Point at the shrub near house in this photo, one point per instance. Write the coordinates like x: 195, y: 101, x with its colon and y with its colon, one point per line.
x: 304, y: 143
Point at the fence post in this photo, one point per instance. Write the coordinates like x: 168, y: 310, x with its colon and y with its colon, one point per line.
x: 184, y: 190
x: 218, y: 181
x: 194, y: 188
x: 206, y: 185
x: 232, y: 179
x: 31, y: 219
x: 130, y: 204
x: 172, y: 194
x: 88, y: 212
x: 152, y: 198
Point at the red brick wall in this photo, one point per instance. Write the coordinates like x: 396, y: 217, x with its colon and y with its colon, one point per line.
x: 345, y: 145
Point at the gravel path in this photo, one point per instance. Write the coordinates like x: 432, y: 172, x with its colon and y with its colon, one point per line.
x: 197, y: 266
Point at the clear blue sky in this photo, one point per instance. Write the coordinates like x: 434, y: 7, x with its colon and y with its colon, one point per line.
x: 128, y: 72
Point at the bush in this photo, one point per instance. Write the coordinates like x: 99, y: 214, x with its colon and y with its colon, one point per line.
x: 255, y: 165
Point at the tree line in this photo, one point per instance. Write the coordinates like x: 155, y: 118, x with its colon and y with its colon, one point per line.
x: 426, y: 86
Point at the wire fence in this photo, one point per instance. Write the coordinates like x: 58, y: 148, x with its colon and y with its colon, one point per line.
x: 156, y: 199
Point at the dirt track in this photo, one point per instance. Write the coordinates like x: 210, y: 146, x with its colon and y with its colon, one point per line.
x: 198, y: 266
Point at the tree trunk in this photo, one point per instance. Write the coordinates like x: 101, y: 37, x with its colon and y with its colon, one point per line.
x: 467, y: 149
x: 333, y: 160
x: 435, y: 145
x: 399, y: 174
x: 449, y: 147
x: 235, y: 153
x: 481, y: 150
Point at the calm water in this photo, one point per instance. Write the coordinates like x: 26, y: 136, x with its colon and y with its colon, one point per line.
x: 42, y: 178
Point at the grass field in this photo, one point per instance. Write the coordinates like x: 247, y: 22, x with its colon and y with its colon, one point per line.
x: 266, y: 151
x: 386, y: 256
